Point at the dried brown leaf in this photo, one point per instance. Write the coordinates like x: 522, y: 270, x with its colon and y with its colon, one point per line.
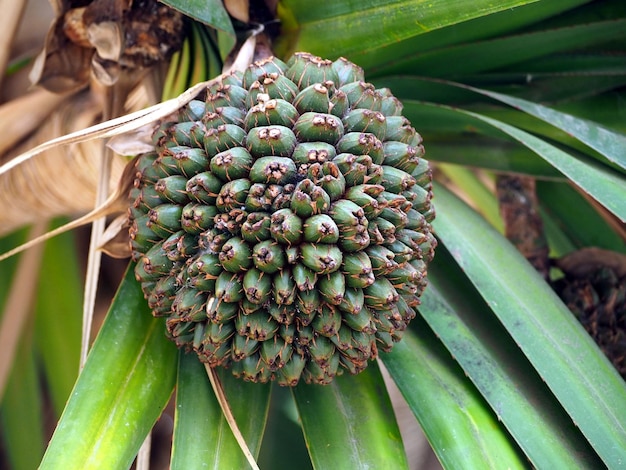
x: 22, y: 176
x: 113, y: 127
x: 63, y: 181
x: 62, y: 66
x: 65, y: 189
x: 108, y: 38
x: 115, y: 240
x: 133, y: 143
x: 21, y: 116
x: 117, y: 202
x: 582, y: 263
x: 143, y: 456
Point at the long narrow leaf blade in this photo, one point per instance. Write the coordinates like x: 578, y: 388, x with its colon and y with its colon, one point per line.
x: 496, y: 156
x: 484, y: 27
x: 376, y: 23
x: 202, y: 437
x: 607, y: 187
x: 21, y: 413
x: 350, y: 423
x: 127, y: 381
x: 608, y: 143
x: 494, y: 363
x: 500, y: 52
x: 470, y: 185
x: 574, y: 369
x: 460, y: 426
x: 601, y: 183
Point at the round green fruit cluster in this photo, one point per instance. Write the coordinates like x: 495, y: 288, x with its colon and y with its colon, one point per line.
x: 282, y: 224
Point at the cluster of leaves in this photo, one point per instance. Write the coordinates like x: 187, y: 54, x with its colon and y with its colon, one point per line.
x: 496, y: 369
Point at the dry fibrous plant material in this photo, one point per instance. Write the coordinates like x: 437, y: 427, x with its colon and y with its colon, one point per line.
x: 282, y: 223
x: 118, y: 200
x: 113, y: 41
x: 106, y: 39
x: 62, y: 181
x: 594, y: 289
x: 18, y: 126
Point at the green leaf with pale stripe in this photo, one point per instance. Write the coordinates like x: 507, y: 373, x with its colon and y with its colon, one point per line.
x: 604, y: 109
x: 544, y: 131
x: 350, y: 423
x: 493, y: 362
x: 547, y: 89
x: 583, y: 135
x: 202, y: 437
x: 558, y: 88
x: 375, y: 23
x: 564, y: 356
x: 603, y: 184
x: 449, y: 408
x: 608, y: 143
x: 126, y: 382
x: 455, y: 137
